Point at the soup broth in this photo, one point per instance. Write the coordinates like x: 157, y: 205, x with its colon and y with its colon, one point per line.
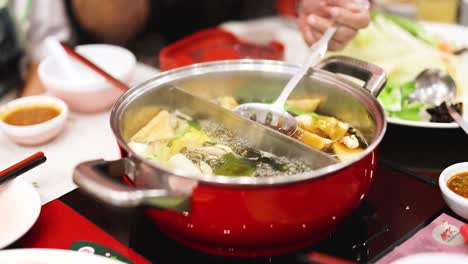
x: 325, y: 133
x: 205, y: 147
x: 459, y: 184
x: 31, y: 115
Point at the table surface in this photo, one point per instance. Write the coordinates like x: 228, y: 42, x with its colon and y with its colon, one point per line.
x: 403, y: 198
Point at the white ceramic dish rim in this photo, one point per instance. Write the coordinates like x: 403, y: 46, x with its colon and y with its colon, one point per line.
x: 89, y: 84
x: 445, y: 176
x: 37, y: 128
x: 34, y: 214
x: 432, y: 258
x: 421, y: 124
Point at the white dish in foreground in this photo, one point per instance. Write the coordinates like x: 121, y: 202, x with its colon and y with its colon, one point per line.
x: 433, y: 258
x: 20, y: 206
x: 52, y: 256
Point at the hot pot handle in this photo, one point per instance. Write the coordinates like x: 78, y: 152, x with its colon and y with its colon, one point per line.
x: 95, y: 178
x: 373, y: 76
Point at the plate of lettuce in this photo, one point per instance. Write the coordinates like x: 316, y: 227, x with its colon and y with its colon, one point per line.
x: 404, y: 48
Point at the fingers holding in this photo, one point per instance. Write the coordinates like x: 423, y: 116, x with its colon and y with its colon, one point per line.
x: 343, y: 33
x: 354, y: 19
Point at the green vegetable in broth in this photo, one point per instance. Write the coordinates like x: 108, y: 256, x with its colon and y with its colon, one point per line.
x: 234, y: 166
x: 203, y: 147
x: 299, y: 112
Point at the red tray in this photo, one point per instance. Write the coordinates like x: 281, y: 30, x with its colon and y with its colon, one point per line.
x: 287, y: 7
x: 215, y: 44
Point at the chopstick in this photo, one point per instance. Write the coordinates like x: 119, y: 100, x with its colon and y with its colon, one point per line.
x: 458, y: 118
x: 122, y: 86
x: 22, y: 167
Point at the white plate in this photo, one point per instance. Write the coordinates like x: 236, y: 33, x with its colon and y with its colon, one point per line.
x: 452, y: 33
x: 423, y: 124
x: 433, y: 258
x: 20, y: 206
x: 51, y: 256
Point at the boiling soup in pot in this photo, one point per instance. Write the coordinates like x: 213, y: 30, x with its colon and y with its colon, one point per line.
x: 321, y: 132
x: 202, y: 147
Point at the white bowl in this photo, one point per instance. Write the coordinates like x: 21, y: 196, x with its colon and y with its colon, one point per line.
x: 457, y: 203
x: 38, y: 133
x: 89, y: 92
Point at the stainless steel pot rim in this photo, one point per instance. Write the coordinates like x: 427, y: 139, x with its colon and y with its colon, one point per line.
x: 245, y: 65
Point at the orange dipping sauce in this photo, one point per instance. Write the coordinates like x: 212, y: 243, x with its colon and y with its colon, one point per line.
x: 459, y: 184
x: 31, y: 115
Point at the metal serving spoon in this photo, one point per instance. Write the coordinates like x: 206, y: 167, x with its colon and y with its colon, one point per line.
x: 280, y: 119
x: 433, y: 88
x: 274, y: 115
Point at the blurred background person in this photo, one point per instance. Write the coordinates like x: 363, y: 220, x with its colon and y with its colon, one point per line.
x: 33, y: 22
x: 145, y: 26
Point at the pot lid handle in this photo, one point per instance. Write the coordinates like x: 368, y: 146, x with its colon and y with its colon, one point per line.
x: 373, y: 76
x: 98, y: 178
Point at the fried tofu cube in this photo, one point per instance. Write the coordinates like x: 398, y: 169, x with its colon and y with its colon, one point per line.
x: 344, y: 153
x: 227, y: 102
x: 307, y: 122
x: 307, y: 105
x: 314, y: 140
x: 332, y: 127
x: 159, y: 128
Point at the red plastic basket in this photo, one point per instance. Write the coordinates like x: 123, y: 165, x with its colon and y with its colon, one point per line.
x: 215, y: 44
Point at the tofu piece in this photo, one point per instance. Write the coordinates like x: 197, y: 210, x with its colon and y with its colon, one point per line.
x: 351, y: 142
x: 139, y: 148
x: 306, y: 105
x: 344, y: 153
x: 332, y: 127
x: 307, y: 122
x: 314, y: 140
x: 227, y: 102
x: 182, y: 163
x: 159, y: 128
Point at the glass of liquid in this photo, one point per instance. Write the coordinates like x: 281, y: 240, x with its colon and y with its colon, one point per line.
x: 444, y: 11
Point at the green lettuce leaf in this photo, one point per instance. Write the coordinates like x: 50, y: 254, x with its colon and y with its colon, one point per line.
x: 394, y: 100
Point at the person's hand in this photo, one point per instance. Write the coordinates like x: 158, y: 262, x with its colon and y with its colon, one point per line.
x: 316, y: 16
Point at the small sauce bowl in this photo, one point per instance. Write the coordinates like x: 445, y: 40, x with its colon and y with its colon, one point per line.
x: 456, y: 202
x: 33, y: 120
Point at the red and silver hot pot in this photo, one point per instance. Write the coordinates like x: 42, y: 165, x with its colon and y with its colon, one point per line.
x: 245, y: 216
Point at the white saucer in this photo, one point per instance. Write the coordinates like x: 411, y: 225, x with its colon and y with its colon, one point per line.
x: 20, y: 206
x: 433, y: 258
x: 52, y: 256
